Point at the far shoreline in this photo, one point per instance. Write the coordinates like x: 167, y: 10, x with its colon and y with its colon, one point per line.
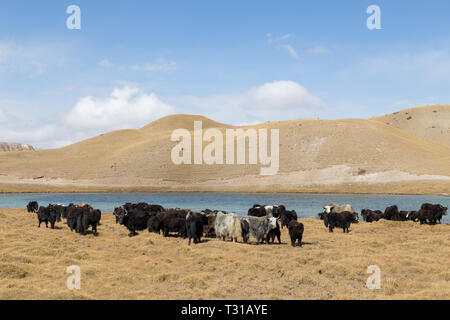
x: 413, y: 189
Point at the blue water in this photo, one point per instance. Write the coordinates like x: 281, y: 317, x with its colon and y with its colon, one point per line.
x: 305, y: 205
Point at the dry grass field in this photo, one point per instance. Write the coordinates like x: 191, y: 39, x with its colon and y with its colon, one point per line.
x: 413, y: 259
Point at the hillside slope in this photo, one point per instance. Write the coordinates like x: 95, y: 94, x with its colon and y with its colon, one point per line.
x: 348, y: 155
x: 427, y: 122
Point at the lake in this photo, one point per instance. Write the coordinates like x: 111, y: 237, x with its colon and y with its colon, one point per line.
x: 305, y: 205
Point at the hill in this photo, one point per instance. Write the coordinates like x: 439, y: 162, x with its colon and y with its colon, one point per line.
x: 429, y: 122
x: 345, y: 155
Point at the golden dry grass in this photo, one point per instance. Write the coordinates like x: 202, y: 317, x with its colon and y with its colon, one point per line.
x: 413, y: 258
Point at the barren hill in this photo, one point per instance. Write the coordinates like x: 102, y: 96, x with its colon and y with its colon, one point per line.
x: 347, y: 155
x: 428, y: 122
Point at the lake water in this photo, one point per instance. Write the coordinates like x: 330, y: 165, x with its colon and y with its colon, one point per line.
x: 305, y: 205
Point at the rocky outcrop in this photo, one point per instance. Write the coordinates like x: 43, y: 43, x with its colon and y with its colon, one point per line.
x: 7, y: 147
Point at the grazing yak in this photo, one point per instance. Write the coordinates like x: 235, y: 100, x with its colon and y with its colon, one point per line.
x: 89, y: 217
x: 228, y: 225
x: 154, y: 225
x: 73, y: 213
x: 173, y: 220
x: 338, y: 208
x: 61, y: 210
x: 33, y: 206
x: 275, y: 232
x: 295, y: 232
x: 48, y: 214
x: 194, y: 226
x: 134, y: 220
x: 135, y: 217
x: 391, y: 213
x: 371, y: 216
x: 143, y: 206
x: 436, y: 210
x: 245, y: 230
x: 430, y: 213
x: 208, y: 229
x: 79, y: 218
x: 288, y: 216
x: 176, y: 225
x: 260, y: 226
x: 118, y: 212
x: 340, y: 220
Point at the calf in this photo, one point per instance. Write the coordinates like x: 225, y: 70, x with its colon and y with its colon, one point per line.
x: 194, y: 226
x: 208, y: 229
x: 371, y: 216
x: 119, y: 212
x: 154, y: 225
x: 295, y: 232
x: 274, y: 233
x: 32, y: 206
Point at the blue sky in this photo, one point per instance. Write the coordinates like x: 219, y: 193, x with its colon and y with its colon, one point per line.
x: 235, y: 61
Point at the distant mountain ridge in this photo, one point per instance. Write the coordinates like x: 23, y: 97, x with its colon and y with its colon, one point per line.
x: 14, y: 146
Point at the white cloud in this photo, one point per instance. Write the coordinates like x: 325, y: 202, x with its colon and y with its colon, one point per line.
x: 318, y: 50
x: 105, y: 63
x: 280, y: 95
x: 291, y: 51
x: 258, y: 104
x: 31, y: 60
x: 159, y: 66
x: 431, y: 65
x: 280, y: 41
x: 124, y: 108
x: 273, y: 38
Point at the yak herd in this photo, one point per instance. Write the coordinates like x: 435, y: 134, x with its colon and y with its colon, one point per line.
x: 262, y: 221
x: 342, y: 216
